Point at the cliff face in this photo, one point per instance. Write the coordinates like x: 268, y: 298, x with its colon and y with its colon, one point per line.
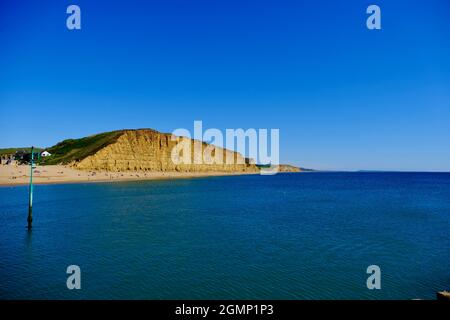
x: 149, y: 150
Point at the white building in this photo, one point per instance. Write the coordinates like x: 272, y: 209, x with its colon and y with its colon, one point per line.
x: 45, y: 154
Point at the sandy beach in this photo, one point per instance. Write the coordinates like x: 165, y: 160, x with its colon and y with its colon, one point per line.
x: 11, y: 175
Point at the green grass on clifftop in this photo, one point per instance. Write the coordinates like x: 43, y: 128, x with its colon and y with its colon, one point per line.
x: 77, y: 149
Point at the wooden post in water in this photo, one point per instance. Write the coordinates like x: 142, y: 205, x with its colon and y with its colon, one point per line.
x: 30, y: 202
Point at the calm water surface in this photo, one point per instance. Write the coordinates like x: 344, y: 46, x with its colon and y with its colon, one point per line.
x: 289, y: 236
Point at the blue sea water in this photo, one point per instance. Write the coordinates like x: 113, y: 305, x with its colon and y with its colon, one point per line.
x: 288, y: 236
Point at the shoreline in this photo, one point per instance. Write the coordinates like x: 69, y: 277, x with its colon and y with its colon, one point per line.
x: 11, y: 176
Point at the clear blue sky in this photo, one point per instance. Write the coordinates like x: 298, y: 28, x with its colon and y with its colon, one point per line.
x: 343, y: 97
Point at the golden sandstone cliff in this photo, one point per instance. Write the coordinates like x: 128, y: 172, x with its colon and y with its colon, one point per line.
x: 150, y: 150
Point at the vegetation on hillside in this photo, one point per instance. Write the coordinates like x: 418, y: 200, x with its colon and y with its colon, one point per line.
x: 8, y: 151
x: 77, y: 149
